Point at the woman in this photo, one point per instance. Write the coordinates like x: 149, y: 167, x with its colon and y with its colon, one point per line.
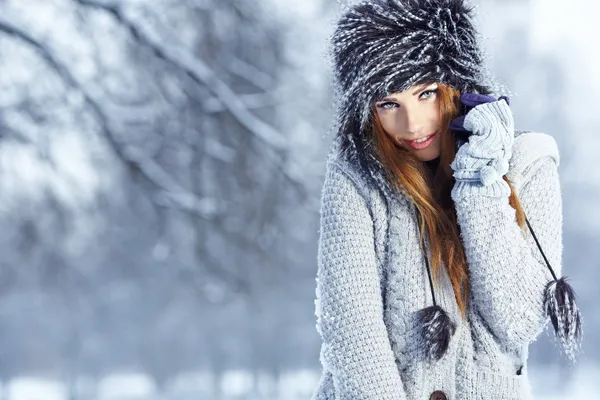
x: 429, y: 284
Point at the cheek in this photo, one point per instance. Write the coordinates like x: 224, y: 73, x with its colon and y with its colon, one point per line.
x: 435, y: 112
x: 390, y: 125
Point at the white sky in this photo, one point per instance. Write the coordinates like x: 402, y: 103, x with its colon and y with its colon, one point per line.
x: 572, y: 28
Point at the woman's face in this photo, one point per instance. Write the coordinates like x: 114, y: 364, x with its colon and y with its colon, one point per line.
x: 410, y: 115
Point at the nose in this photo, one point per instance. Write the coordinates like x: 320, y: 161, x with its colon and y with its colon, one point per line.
x: 412, y: 122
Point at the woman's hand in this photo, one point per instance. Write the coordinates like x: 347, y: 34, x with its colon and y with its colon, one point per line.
x: 485, y: 156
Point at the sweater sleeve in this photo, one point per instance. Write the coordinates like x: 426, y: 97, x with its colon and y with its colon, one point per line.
x: 507, y: 271
x: 355, y: 344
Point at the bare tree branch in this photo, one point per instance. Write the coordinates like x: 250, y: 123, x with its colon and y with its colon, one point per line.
x: 180, y: 57
x: 7, y: 133
x: 250, y: 73
x: 214, y: 105
x: 175, y: 195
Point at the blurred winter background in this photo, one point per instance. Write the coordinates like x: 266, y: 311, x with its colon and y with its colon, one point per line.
x: 160, y: 172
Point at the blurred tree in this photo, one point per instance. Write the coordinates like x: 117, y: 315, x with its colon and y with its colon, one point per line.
x: 159, y: 186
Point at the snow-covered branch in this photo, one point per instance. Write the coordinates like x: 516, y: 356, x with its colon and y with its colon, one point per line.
x: 181, y: 58
x: 252, y: 74
x: 171, y: 193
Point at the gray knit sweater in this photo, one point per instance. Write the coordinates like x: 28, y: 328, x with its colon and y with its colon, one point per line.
x: 372, y: 279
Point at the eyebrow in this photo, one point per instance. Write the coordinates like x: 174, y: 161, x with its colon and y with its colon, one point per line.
x: 421, y: 89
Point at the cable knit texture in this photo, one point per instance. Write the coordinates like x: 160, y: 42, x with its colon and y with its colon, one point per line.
x: 372, y: 279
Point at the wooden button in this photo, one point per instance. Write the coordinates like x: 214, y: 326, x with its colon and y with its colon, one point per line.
x: 438, y: 395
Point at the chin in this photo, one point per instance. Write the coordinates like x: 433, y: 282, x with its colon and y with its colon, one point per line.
x: 427, y: 154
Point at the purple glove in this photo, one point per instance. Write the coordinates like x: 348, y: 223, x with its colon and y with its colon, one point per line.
x: 468, y: 101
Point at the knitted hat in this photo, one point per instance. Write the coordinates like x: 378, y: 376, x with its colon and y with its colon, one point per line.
x: 384, y: 46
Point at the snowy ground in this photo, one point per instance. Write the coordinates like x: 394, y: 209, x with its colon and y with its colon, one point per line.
x: 241, y: 385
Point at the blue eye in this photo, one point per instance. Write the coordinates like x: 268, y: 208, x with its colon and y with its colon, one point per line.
x: 387, y: 105
x: 431, y: 92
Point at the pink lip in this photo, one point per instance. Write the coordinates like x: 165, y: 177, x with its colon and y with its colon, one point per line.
x: 431, y: 134
x: 424, y: 145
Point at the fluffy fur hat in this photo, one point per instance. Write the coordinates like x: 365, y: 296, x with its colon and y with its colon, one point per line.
x: 385, y: 46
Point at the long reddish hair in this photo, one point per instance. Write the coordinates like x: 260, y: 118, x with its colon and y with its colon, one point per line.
x: 430, y: 194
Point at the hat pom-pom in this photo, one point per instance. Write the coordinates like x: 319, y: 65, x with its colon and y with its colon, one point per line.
x: 560, y: 305
x: 436, y: 330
